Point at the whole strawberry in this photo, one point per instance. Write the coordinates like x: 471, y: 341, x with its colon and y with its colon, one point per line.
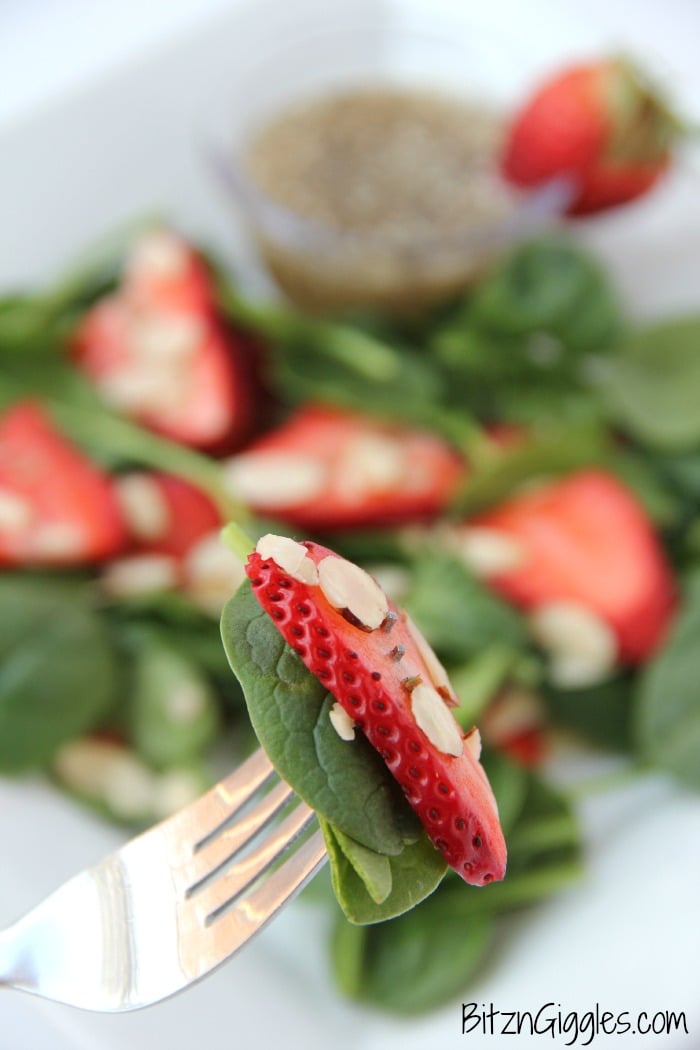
x: 601, y: 125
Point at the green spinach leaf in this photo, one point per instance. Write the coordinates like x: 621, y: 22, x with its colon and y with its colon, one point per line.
x: 458, y: 616
x: 668, y: 697
x: 374, y: 869
x: 653, y: 387
x: 345, y: 781
x: 358, y: 881
x: 551, y: 451
x: 601, y: 713
x: 416, y: 962
x: 58, y: 672
x: 173, y: 715
x: 549, y: 285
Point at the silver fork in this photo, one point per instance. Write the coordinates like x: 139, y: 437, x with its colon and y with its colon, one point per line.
x: 172, y: 904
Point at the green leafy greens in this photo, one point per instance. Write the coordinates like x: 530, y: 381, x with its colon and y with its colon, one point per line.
x: 381, y: 860
x: 538, y: 343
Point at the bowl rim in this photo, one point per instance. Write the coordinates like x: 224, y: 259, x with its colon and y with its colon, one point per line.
x: 530, y: 209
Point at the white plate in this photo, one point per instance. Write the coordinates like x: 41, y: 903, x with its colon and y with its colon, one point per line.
x: 628, y: 937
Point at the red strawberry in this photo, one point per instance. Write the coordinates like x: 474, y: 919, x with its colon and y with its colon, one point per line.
x: 56, y: 507
x: 581, y: 554
x: 602, y: 126
x: 389, y: 683
x: 175, y: 543
x: 162, y: 270
x: 165, y: 514
x: 515, y: 723
x: 328, y: 468
x: 157, y: 351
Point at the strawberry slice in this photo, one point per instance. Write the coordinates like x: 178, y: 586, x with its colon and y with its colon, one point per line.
x: 175, y: 543
x: 165, y: 514
x: 599, y: 124
x: 56, y: 506
x: 388, y: 683
x: 157, y: 351
x: 515, y: 723
x: 325, y: 468
x: 581, y: 555
x: 163, y: 271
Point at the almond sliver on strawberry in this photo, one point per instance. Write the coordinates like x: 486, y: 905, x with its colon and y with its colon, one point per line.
x: 361, y: 647
x: 162, y: 270
x: 165, y: 514
x: 157, y: 351
x: 580, y: 546
x: 327, y: 468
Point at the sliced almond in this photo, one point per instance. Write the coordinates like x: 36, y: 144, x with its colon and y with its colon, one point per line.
x: 129, y: 787
x: 292, y: 557
x: 370, y: 463
x: 435, y: 719
x: 186, y: 703
x: 159, y: 254
x: 342, y: 722
x: 140, y: 574
x: 133, y: 388
x: 273, y: 480
x: 438, y: 674
x: 57, y: 541
x: 16, y: 513
x: 107, y: 772
x: 212, y: 573
x: 582, y: 646
x: 472, y: 741
x: 488, y: 552
x: 348, y: 587
x: 81, y: 764
x: 172, y: 338
x: 143, y: 506
x: 147, y: 384
x: 515, y: 710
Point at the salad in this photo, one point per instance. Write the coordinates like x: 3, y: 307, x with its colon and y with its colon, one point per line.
x: 517, y: 472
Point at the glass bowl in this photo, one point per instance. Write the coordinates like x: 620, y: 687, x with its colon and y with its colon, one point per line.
x: 317, y: 51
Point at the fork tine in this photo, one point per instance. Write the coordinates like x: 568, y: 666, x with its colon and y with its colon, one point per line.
x: 235, y: 927
x: 126, y: 933
x: 192, y: 827
x: 221, y: 848
x: 234, y: 881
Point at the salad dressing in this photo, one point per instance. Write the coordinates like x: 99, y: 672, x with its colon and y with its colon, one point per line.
x: 385, y: 189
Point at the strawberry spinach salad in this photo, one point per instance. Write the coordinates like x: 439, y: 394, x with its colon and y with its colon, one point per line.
x: 520, y: 471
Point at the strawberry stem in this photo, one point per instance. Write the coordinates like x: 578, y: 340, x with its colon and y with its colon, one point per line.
x: 237, y: 540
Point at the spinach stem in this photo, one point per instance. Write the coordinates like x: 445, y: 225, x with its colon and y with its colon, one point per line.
x: 477, y: 681
x: 237, y: 540
x: 112, y: 435
x: 545, y: 833
x: 359, y: 351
